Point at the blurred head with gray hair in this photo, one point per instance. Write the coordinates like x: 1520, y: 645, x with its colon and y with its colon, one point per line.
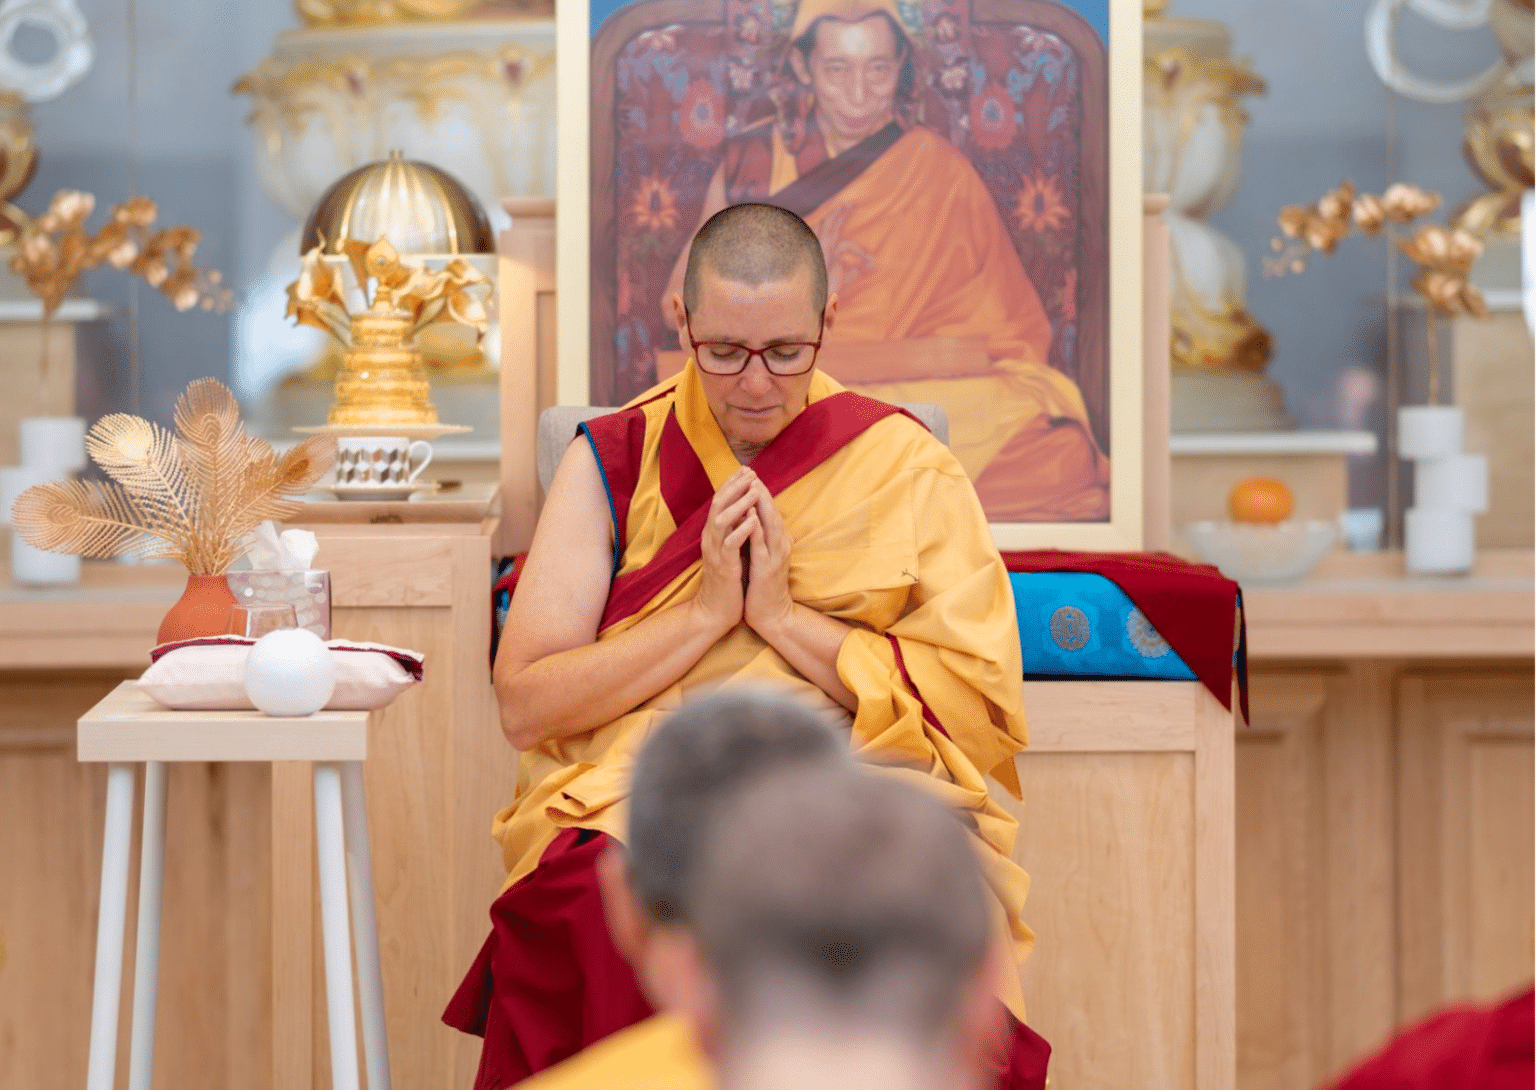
x: 843, y: 924
x: 696, y: 761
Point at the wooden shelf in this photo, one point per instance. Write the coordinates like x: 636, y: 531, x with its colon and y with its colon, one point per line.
x: 1363, y: 606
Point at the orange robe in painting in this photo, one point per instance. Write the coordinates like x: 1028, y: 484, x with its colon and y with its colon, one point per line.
x: 889, y: 538
x: 916, y: 249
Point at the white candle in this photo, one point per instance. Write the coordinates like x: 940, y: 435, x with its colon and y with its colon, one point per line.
x: 55, y: 443
x: 1428, y: 431
x: 1438, y: 542
x: 1457, y: 482
x: 30, y: 565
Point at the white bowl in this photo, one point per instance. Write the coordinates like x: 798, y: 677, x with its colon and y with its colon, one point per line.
x: 1256, y: 554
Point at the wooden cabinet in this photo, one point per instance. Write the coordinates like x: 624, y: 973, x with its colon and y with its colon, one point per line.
x: 1384, y: 868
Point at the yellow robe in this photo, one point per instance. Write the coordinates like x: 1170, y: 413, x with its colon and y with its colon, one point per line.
x: 889, y: 538
x: 657, y: 1054
x: 912, y: 259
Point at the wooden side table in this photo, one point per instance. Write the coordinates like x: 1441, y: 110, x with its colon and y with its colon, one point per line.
x: 128, y: 728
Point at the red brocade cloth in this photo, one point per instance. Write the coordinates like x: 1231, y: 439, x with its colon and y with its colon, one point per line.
x: 549, y: 981
x: 1467, y: 1048
x: 1193, y: 606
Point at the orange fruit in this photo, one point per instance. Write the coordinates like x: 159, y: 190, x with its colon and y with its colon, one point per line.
x: 1260, y: 499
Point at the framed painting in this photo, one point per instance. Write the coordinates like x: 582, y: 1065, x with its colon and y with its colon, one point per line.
x: 973, y: 171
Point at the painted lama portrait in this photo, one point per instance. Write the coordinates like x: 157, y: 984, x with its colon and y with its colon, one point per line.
x: 951, y: 157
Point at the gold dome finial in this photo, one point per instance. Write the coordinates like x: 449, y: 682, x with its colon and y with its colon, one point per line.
x: 419, y: 208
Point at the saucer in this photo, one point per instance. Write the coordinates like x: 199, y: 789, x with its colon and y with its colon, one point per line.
x: 390, y: 431
x: 379, y: 493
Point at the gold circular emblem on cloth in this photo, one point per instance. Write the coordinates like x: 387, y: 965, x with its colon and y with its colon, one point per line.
x: 1146, y: 639
x: 1070, y: 628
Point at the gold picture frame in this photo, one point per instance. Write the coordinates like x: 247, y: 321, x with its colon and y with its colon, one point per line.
x: 1121, y: 101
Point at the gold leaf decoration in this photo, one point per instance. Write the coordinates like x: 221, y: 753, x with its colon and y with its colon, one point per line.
x: 193, y: 496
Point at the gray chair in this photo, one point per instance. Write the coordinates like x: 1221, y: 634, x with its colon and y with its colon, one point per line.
x: 557, y: 425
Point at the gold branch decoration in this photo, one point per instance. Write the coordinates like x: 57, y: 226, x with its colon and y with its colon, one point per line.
x: 194, y: 495
x: 52, y: 251
x: 1444, y: 256
x: 457, y: 292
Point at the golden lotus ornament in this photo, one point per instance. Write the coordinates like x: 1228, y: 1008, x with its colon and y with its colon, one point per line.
x: 383, y: 381
x: 384, y: 222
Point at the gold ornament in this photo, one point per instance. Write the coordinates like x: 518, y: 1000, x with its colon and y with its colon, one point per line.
x: 53, y: 250
x: 194, y: 496
x: 382, y: 380
x: 379, y: 12
x: 18, y: 160
x: 419, y: 208
x: 1444, y: 255
x: 1497, y: 142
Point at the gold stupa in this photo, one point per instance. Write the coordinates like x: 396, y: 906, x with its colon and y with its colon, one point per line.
x: 422, y: 212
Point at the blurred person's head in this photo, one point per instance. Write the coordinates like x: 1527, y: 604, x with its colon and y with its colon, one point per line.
x: 843, y: 925
x: 697, y: 759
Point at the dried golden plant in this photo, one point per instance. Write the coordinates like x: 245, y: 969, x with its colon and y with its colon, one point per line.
x: 194, y: 495
x: 1444, y: 256
x: 53, y: 250
x: 457, y: 292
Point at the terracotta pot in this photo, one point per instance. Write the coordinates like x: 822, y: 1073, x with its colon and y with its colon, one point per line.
x: 202, y: 610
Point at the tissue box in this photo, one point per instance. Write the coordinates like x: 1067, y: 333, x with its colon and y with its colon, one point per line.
x: 309, y: 592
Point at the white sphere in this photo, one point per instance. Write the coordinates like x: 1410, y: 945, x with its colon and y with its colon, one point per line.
x: 289, y: 673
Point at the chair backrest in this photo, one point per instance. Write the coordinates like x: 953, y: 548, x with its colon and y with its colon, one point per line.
x: 558, y: 424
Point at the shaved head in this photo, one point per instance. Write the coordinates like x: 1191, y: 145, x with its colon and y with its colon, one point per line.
x: 699, y: 757
x: 755, y: 244
x: 828, y: 893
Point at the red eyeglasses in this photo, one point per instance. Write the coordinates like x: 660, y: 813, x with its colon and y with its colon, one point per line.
x: 785, y: 358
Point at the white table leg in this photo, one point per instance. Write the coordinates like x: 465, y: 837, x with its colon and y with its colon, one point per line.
x: 365, y: 927
x: 330, y: 846
x: 146, y: 956
x: 111, y: 922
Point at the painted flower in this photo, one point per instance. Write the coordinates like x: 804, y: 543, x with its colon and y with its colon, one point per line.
x: 655, y: 205
x: 992, y: 120
x: 945, y: 29
x: 702, y: 115
x: 1040, y: 206
x: 749, y: 29
x: 953, y: 78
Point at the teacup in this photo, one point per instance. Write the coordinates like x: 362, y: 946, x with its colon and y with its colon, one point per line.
x: 380, y: 461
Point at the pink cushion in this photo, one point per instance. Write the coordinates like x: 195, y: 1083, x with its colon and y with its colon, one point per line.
x: 208, y: 674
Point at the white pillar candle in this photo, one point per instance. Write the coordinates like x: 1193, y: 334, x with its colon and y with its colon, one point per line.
x: 55, y: 443
x: 30, y: 565
x: 1438, y: 542
x: 1456, y: 482
x: 1428, y: 431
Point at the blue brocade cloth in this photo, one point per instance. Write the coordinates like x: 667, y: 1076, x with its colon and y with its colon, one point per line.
x: 1071, y: 624
x: 1074, y: 624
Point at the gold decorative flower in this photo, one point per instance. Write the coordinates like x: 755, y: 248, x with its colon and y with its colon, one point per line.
x: 319, y: 298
